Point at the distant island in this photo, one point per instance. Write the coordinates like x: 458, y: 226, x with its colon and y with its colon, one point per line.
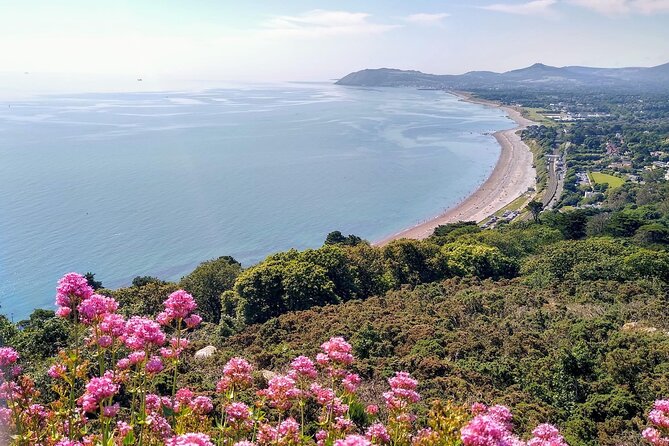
x: 536, y: 77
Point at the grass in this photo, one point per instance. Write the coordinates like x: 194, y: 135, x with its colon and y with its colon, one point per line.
x: 535, y: 114
x: 614, y: 182
x: 515, y: 205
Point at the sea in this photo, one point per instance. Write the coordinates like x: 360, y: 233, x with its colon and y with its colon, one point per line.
x: 155, y: 182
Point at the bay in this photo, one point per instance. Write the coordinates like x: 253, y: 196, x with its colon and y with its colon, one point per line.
x: 152, y: 183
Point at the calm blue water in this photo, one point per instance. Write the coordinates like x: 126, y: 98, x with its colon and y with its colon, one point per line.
x: 154, y: 183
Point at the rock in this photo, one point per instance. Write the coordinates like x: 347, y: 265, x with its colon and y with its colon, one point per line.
x: 206, y: 352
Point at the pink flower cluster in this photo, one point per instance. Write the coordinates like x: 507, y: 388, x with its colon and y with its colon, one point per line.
x: 491, y: 426
x: 190, y: 440
x: 237, y: 374
x: 179, y: 306
x: 402, y: 392
x: 303, y: 367
x: 141, y: 333
x: 72, y: 289
x: 658, y: 434
x: 93, y: 309
x: 353, y: 440
x: 98, y: 390
x: 288, y: 432
x: 8, y: 356
x: 281, y: 392
x: 336, y: 352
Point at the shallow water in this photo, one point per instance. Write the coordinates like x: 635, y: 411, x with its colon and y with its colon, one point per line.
x: 154, y: 183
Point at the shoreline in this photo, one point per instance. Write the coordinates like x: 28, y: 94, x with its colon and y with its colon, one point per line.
x: 512, y: 176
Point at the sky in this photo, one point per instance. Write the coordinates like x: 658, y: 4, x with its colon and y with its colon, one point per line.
x: 319, y: 40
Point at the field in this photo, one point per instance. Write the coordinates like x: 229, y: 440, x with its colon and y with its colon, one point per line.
x: 536, y: 115
x: 601, y: 178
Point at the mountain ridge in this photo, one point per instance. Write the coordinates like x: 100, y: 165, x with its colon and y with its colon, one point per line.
x: 538, y: 75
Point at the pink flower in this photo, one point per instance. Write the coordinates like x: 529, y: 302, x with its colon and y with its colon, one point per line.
x: 238, y: 411
x: 123, y: 428
x: 402, y: 391
x: 236, y: 374
x: 244, y: 443
x: 141, y: 333
x: 201, y: 405
x: 190, y: 440
x: 351, y: 382
x: 97, y: 390
x: 303, y: 367
x: 353, y: 440
x: 659, y: 417
x: 153, y: 403
x: 378, y: 434
x: 289, y: 431
x: 111, y: 411
x: 493, y: 427
x: 267, y: 434
x: 343, y: 425
x: 8, y: 356
x: 323, y: 395
x: 338, y: 350
x: 72, y: 289
x: 66, y: 442
x: 161, y: 426
x: 281, y: 392
x: 372, y: 409
x: 154, y: 365
x: 93, y: 309
x: 179, y: 305
x: 193, y: 320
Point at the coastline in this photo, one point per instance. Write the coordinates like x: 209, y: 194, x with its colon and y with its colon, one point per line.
x: 512, y: 176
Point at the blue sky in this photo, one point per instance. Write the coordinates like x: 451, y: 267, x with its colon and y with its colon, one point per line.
x: 318, y: 40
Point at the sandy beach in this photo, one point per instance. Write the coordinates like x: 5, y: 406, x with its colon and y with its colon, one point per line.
x: 513, y: 175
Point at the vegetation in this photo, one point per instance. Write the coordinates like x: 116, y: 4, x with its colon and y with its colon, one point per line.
x: 604, y: 178
x: 562, y: 318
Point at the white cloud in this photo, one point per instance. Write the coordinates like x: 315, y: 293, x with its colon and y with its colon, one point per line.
x: 618, y: 7
x: 427, y: 19
x: 319, y: 23
x: 534, y: 7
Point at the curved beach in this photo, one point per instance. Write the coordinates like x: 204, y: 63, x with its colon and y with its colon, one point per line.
x: 513, y: 175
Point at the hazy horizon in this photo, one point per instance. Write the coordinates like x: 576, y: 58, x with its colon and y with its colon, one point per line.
x: 265, y: 41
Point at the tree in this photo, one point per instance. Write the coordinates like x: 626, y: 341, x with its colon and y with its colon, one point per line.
x: 336, y: 238
x: 535, y: 207
x: 477, y: 260
x: 141, y: 281
x: 208, y: 281
x: 410, y: 261
x: 90, y: 278
x: 260, y: 290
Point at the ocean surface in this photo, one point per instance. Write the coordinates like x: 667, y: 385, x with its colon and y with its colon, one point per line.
x: 153, y: 183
